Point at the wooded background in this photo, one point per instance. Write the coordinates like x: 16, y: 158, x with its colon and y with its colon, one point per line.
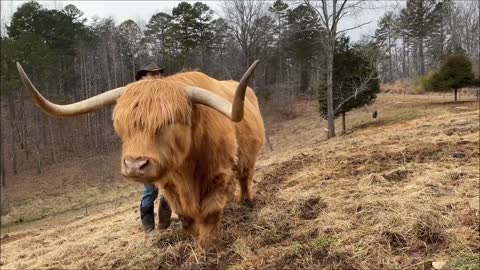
x: 70, y: 59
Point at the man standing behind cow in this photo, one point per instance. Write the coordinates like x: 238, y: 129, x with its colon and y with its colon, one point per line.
x: 151, y: 71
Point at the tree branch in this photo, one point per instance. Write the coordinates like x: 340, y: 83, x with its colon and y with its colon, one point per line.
x: 354, y: 27
x: 363, y: 87
x: 337, y: 16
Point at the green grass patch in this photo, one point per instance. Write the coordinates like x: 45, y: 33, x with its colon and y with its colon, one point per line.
x: 464, y: 262
x: 393, y: 117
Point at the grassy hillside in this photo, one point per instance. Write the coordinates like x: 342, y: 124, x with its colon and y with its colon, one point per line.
x: 399, y: 192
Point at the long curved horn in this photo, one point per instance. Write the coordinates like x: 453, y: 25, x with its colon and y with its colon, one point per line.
x: 233, y: 111
x: 74, y: 109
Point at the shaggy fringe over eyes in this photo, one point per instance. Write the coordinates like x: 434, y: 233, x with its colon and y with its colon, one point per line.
x: 151, y: 104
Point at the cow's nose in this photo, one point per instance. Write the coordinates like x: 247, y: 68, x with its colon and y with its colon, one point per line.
x: 136, y: 166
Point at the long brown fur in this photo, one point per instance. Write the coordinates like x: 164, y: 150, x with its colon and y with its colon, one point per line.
x: 199, y: 179
x: 148, y: 106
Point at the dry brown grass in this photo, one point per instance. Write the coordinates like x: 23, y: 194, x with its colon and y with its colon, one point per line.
x: 395, y: 193
x: 409, y: 87
x: 405, y: 86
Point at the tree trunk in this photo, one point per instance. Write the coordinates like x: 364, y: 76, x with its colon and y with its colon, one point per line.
x: 133, y: 67
x: 390, y: 64
x: 22, y: 128
x: 38, y: 159
x: 404, y: 62
x: 11, y: 108
x: 42, y: 121
x: 304, y: 77
x: 330, y: 112
x: 421, y: 57
x: 280, y: 49
x: 455, y: 91
x: 54, y: 156
x: 344, y: 125
x: 106, y: 113
x: 3, y: 180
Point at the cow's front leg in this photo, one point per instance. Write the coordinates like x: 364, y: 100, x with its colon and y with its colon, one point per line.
x: 212, y: 206
x: 209, y: 229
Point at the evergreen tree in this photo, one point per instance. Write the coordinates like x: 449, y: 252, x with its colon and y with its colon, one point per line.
x: 418, y: 20
x: 351, y: 68
x: 280, y: 9
x: 443, y: 40
x: 455, y: 73
x: 192, y: 29
x: 55, y: 34
x: 129, y: 36
x: 156, y: 36
x: 386, y: 35
x: 304, y: 38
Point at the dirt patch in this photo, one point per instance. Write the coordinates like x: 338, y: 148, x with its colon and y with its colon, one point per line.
x: 278, y: 173
x: 429, y: 230
x: 396, y: 175
x: 310, y: 208
x: 394, y: 240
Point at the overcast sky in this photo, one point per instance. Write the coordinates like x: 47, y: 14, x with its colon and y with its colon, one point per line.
x: 143, y: 10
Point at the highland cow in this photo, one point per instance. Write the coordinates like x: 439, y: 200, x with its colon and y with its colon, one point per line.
x: 189, y: 134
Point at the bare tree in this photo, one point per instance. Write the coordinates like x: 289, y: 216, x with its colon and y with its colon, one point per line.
x: 330, y: 12
x: 250, y: 23
x: 467, y: 24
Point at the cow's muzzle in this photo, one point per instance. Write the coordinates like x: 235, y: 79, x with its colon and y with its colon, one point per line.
x: 137, y: 167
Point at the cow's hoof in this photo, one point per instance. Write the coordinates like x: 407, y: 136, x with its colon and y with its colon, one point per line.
x: 164, y: 214
x: 210, y: 244
x: 164, y: 224
x: 248, y: 203
x: 186, y: 222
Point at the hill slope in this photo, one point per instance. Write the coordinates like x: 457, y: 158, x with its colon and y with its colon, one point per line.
x: 397, y: 193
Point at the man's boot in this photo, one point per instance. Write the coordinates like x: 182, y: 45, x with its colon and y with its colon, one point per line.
x: 164, y: 214
x: 148, y: 218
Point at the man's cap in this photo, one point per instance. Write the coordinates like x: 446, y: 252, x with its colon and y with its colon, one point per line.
x: 148, y: 67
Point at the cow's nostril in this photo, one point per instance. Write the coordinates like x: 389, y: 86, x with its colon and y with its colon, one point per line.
x: 136, y: 164
x: 142, y: 164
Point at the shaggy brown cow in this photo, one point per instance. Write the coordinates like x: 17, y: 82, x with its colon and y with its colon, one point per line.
x: 174, y: 136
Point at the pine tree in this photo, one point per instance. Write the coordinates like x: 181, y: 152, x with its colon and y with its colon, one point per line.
x: 192, y: 30
x: 129, y: 36
x: 303, y: 37
x: 418, y: 18
x: 386, y: 35
x: 280, y: 9
x: 156, y: 34
x: 455, y: 73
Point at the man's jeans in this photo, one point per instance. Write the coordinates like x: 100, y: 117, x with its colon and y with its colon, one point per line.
x: 150, y: 193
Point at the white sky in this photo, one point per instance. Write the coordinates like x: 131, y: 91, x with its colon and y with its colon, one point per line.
x: 143, y: 10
